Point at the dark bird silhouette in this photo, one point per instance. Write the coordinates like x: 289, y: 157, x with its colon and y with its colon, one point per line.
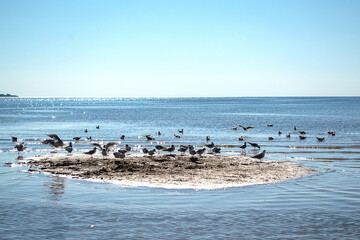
x: 234, y: 128
x: 301, y: 132
x: 14, y: 139
x: 288, y: 135
x: 97, y: 126
x: 85, y: 130
x: 207, y: 138
x: 183, y: 149
x: 201, y: 151
x: 91, y: 152
x: 332, y: 133
x: 122, y: 137
x: 302, y: 137
x: 271, y: 138
x: 320, y: 139
x: 20, y: 147
x: 269, y: 125
x: 181, y: 131
x: 152, y: 152
x: 176, y: 136
x: 279, y: 133
x: 241, y: 138
x: 192, y: 151
x: 159, y: 148
x: 216, y: 150
x: 149, y: 138
x: 254, y: 145
x: 294, y: 128
x: 245, y: 128
x: 89, y: 138
x: 119, y: 154
x: 170, y: 149
x: 145, y: 151
x: 259, y: 155
x: 76, y: 138
x: 127, y: 148
x: 243, y: 146
x: 69, y: 148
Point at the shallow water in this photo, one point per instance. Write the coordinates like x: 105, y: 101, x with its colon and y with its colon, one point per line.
x: 324, y: 205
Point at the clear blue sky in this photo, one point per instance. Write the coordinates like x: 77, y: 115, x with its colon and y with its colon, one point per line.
x: 180, y: 48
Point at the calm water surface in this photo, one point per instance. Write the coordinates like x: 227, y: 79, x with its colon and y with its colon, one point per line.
x: 325, y: 205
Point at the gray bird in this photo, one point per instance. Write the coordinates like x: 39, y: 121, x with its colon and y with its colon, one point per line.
x: 320, y: 139
x: 243, y: 146
x: 211, y: 145
x: 104, y: 148
x: 76, y: 138
x: 170, y: 149
x: 69, y: 148
x: 216, y: 150
x: 119, y: 154
x: 14, y: 139
x: 20, y: 147
x: 302, y: 137
x: 288, y: 135
x: 127, y: 148
x: 91, y: 152
x: 201, y: 151
x: 259, y: 155
x: 145, y: 151
x: 254, y: 145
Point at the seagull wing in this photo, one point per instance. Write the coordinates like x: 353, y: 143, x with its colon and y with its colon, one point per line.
x: 54, y: 137
x: 242, y: 127
x: 249, y: 128
x: 110, y: 144
x: 97, y: 145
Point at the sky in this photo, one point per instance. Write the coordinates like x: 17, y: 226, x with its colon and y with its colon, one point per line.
x: 180, y: 48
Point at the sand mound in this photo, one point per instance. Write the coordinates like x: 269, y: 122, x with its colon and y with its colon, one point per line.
x: 207, y: 172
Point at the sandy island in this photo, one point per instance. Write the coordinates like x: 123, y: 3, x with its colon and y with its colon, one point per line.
x: 207, y: 172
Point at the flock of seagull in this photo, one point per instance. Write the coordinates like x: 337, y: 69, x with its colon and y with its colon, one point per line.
x: 105, y: 149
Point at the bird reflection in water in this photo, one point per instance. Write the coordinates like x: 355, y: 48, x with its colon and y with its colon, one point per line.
x: 55, y: 187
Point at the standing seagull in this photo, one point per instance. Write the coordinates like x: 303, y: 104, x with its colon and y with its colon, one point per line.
x: 211, y: 145
x: 170, y: 149
x: 254, y: 145
x: 260, y: 155
x: 216, y: 150
x: 119, y: 154
x: 159, y: 148
x: 69, y: 148
x: 91, y: 152
x: 145, y: 151
x: 14, y: 139
x: 243, y: 147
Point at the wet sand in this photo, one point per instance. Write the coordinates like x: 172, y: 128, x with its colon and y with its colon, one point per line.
x: 207, y: 172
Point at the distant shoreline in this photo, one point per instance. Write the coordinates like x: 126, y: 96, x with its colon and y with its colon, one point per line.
x: 8, y: 95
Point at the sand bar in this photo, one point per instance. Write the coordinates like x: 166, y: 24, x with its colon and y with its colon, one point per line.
x: 179, y: 172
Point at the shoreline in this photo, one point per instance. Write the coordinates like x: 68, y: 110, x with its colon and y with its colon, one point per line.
x: 171, y: 172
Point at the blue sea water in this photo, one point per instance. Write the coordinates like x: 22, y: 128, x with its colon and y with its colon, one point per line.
x: 324, y: 205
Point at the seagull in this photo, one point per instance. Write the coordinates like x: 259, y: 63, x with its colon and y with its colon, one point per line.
x: 159, y: 148
x: 207, y: 138
x: 201, y: 151
x: 159, y: 133
x: 69, y: 148
x: 211, y: 145
x: 89, y: 138
x: 269, y: 125
x: 259, y: 155
x: 181, y: 131
x: 183, y: 149
x: 152, y: 152
x: 288, y: 135
x: 271, y: 138
x: 170, y: 149
x: 279, y: 132
x: 127, y: 148
x: 302, y: 137
x: 91, y: 152
x: 86, y: 130
x: 97, y: 126
x: 234, y: 128
x: 245, y: 128
x: 320, y: 139
x: 148, y: 137
x: 20, y: 147
x: 332, y: 133
x: 254, y: 145
x: 241, y: 138
x: 176, y: 136
x: 105, y: 148
x: 14, y: 139
x: 192, y: 151
x: 122, y: 137
x: 76, y: 138
x: 243, y: 146
x: 301, y: 132
x: 145, y: 151
x: 55, y: 141
x: 216, y: 150
x: 294, y: 128
x: 120, y: 154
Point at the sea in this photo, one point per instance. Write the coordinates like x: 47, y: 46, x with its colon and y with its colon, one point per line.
x: 322, y: 205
